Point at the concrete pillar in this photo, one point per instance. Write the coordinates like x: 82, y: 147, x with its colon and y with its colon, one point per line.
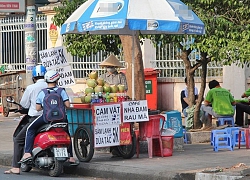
x: 148, y: 54
x: 235, y: 79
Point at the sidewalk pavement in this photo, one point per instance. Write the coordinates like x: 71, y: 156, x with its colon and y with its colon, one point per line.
x: 197, y: 161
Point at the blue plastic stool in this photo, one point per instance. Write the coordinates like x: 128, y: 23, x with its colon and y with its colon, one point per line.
x: 236, y: 138
x: 223, y: 141
x: 217, y: 131
x: 185, y: 136
x: 226, y: 119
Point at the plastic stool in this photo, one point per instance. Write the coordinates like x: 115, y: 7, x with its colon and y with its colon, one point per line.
x: 215, y: 132
x: 225, y: 143
x: 236, y: 138
x: 224, y: 120
x: 185, y: 136
x: 246, y: 131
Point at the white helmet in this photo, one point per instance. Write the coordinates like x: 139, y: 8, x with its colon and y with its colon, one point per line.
x: 51, y: 76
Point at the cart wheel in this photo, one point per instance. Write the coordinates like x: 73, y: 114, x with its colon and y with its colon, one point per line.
x: 84, y: 144
x: 6, y: 112
x: 128, y: 151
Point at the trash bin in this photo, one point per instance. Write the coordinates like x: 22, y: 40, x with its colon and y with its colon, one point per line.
x: 151, y: 87
x: 174, y: 121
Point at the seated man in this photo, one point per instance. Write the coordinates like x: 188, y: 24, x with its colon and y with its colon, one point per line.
x: 242, y: 107
x: 221, y: 100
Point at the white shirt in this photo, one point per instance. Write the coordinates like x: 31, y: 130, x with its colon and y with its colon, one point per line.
x: 29, y: 97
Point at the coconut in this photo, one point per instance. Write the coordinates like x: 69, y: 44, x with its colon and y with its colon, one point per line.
x: 106, y: 88
x: 93, y: 75
x: 98, y: 89
x: 83, y: 99
x: 100, y: 82
x: 89, y: 90
x: 121, y: 88
x: 114, y: 88
x: 91, y: 83
x: 87, y: 99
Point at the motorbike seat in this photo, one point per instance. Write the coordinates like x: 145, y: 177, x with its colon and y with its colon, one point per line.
x: 45, y: 126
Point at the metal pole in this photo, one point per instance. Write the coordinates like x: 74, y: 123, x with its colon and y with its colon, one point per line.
x: 30, y: 40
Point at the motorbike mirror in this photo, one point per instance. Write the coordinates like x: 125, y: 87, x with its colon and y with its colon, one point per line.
x: 10, y: 99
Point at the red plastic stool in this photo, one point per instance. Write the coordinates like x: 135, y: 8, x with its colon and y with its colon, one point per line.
x: 151, y: 130
x: 246, y: 130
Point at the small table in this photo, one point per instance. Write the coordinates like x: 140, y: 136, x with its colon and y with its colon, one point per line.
x: 246, y: 130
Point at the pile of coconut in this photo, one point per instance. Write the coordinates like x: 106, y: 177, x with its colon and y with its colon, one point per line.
x: 96, y: 85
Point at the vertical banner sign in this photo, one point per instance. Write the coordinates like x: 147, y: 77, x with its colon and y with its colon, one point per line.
x: 30, y: 41
x: 107, y: 120
x: 107, y: 135
x: 135, y: 111
x: 54, y: 59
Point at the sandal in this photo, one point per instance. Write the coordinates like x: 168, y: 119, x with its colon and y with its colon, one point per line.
x: 25, y: 160
x: 70, y: 163
x: 11, y: 172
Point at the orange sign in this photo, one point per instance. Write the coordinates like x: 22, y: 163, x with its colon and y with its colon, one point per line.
x: 125, y: 135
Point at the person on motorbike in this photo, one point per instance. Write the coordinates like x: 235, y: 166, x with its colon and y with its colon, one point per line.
x: 51, y: 78
x: 28, y: 101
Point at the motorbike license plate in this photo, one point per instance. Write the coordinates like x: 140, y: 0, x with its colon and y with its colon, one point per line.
x: 61, y: 152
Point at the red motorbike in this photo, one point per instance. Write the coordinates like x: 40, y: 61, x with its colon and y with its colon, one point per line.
x: 50, y: 146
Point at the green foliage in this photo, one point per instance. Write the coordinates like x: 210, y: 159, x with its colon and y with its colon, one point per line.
x: 85, y: 44
x: 227, y: 29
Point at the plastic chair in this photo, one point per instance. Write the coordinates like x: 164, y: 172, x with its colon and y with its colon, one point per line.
x: 221, y: 139
x: 226, y: 119
x: 150, y: 131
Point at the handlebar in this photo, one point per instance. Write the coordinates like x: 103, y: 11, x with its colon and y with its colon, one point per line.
x: 22, y: 110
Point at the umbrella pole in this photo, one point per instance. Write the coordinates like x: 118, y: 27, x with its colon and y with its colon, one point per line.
x: 133, y: 68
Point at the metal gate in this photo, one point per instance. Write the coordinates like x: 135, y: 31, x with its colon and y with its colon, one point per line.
x: 12, y: 46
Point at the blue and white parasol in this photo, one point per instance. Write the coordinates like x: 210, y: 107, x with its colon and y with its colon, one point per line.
x: 125, y: 17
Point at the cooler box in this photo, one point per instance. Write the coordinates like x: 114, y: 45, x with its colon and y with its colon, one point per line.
x: 174, y: 121
x: 167, y: 145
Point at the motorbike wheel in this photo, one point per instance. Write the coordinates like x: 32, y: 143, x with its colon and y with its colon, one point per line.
x: 128, y: 151
x: 84, y: 144
x: 25, y: 167
x: 56, y: 169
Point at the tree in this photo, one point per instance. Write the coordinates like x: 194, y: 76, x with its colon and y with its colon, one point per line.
x: 81, y: 45
x: 226, y: 41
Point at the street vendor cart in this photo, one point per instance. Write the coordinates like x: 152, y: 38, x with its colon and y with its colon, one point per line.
x: 105, y: 125
x: 11, y: 84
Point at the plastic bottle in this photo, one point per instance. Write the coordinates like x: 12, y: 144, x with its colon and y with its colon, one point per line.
x: 100, y: 97
x: 107, y: 97
x: 92, y: 98
x: 96, y: 98
x: 115, y: 98
x: 119, y: 98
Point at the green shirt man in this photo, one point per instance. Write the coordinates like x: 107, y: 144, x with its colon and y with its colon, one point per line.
x: 221, y: 100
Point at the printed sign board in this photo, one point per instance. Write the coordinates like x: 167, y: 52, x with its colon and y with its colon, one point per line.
x: 54, y: 59
x: 106, y: 135
x: 135, y: 111
x: 12, y: 6
x: 107, y: 114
